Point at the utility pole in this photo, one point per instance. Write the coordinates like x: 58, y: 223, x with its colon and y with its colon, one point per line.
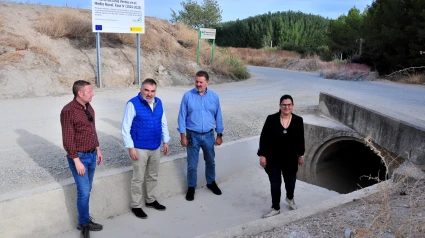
x: 361, y: 40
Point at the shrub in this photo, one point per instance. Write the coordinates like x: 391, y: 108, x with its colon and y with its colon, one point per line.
x: 14, y: 41
x: 345, y: 71
x: 11, y: 58
x: 231, y: 66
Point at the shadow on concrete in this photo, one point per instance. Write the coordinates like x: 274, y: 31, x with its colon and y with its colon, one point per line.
x: 53, y: 160
x: 113, y: 123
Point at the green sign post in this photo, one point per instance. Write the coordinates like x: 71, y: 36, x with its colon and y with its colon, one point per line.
x: 206, y: 33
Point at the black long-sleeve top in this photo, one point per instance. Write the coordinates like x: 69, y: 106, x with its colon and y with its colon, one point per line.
x: 280, y: 148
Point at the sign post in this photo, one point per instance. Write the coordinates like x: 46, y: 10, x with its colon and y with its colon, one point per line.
x: 206, y: 33
x: 124, y: 16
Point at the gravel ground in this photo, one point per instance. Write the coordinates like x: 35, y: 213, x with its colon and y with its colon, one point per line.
x: 31, y: 152
x: 398, y: 210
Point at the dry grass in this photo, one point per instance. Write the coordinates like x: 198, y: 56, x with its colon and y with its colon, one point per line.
x: 400, y: 204
x: 346, y: 71
x: 12, y: 40
x: 178, y: 41
x: 411, y: 78
x: 45, y: 53
x: 261, y: 57
x: 75, y: 25
x: 11, y: 58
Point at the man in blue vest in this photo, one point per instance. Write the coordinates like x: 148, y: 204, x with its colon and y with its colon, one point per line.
x: 144, y: 126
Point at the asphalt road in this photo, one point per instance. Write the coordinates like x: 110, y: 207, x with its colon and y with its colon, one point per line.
x: 31, y: 152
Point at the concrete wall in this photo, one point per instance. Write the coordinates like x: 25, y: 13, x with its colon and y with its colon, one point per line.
x: 320, y: 132
x: 404, y: 139
x: 52, y: 208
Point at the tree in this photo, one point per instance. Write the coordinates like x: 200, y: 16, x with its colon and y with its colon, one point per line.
x: 206, y: 15
x: 344, y: 31
x: 394, y: 34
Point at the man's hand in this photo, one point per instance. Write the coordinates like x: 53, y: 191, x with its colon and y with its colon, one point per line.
x: 81, y: 170
x: 133, y: 153
x: 183, y: 140
x: 263, y: 162
x: 218, y: 140
x: 99, y: 156
x: 165, y: 148
x: 300, y: 160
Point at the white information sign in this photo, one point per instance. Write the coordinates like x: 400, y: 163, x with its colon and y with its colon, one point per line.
x: 206, y: 33
x: 118, y: 16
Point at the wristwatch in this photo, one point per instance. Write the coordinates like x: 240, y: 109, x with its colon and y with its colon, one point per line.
x: 219, y: 134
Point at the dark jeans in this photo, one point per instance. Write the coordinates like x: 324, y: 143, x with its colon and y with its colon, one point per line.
x: 275, y: 173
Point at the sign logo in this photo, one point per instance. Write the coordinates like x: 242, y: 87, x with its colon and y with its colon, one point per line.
x: 98, y: 27
x: 136, y: 29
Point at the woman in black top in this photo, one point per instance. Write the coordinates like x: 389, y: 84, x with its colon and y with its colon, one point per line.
x: 281, y: 151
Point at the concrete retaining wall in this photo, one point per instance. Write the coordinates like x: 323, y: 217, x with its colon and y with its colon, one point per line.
x: 319, y: 132
x: 404, y: 139
x: 51, y: 209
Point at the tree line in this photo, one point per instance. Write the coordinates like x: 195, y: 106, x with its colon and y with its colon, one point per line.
x: 388, y: 35
x: 284, y: 30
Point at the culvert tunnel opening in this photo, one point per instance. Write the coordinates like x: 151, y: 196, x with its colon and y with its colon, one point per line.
x: 348, y: 165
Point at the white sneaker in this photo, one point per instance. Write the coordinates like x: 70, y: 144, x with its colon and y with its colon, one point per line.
x: 291, y: 203
x: 272, y: 212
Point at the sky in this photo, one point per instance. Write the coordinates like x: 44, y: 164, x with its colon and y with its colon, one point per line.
x: 235, y: 9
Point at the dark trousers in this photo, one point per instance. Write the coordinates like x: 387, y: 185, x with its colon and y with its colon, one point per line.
x: 275, y: 173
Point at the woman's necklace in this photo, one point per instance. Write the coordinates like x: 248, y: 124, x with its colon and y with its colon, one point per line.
x: 287, y: 125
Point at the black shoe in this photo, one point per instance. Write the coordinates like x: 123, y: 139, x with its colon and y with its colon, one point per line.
x: 155, y: 204
x: 92, y: 226
x: 139, y: 213
x: 85, y: 231
x: 213, y: 187
x: 190, y: 195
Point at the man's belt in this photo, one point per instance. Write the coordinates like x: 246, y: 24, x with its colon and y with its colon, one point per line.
x: 88, y: 151
x: 200, y: 133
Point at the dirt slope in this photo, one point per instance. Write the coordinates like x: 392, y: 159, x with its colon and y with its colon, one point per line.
x: 32, y: 63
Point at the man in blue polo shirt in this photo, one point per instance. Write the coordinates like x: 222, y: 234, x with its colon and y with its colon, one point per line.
x: 143, y: 126
x: 200, y: 114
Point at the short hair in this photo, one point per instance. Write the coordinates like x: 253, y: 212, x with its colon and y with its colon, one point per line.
x: 202, y: 73
x: 78, y: 86
x: 149, y: 81
x: 286, y: 96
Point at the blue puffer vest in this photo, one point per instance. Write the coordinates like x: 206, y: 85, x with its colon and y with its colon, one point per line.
x: 146, y: 130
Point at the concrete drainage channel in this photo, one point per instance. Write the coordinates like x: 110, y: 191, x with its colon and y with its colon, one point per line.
x: 335, y: 152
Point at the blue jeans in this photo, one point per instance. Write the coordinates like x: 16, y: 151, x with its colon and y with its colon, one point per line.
x: 84, y: 184
x: 275, y: 173
x: 195, y: 141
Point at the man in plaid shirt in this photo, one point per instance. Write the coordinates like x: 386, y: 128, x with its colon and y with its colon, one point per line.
x: 82, y: 146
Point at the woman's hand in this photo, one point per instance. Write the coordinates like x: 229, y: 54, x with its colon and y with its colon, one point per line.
x: 300, y: 160
x: 263, y: 162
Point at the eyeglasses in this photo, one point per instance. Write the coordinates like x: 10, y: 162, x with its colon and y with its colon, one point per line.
x: 285, y: 105
x: 89, y: 116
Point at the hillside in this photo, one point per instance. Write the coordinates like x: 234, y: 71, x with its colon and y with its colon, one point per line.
x: 44, y: 49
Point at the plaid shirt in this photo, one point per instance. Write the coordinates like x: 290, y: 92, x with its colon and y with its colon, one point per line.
x: 78, y: 133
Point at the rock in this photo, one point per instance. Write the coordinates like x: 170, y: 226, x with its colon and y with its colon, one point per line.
x: 347, y: 233
x: 293, y: 234
x: 162, y: 70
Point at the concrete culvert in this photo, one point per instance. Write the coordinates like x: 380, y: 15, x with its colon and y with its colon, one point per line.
x: 347, y: 165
